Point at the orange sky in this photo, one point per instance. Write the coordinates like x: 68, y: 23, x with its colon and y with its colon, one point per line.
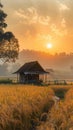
x: 38, y: 22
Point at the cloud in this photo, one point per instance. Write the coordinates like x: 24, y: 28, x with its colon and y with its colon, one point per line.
x: 63, y: 23
x: 46, y: 37
x: 34, y: 23
x: 61, y: 32
x: 46, y: 7
x: 44, y: 20
x: 31, y: 16
x: 41, y: 19
x: 63, y: 7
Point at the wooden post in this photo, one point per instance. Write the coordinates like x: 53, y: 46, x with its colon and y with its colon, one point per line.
x: 44, y: 78
x: 17, y: 78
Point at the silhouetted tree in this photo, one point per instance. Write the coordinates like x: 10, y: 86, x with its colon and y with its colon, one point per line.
x: 9, y: 47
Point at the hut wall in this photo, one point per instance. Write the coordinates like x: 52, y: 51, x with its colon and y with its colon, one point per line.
x: 28, y: 78
x: 22, y: 78
x: 33, y: 77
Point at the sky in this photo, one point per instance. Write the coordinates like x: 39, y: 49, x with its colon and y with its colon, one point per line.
x: 38, y: 22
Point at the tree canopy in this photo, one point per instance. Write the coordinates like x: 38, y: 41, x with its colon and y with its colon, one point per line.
x: 9, y: 47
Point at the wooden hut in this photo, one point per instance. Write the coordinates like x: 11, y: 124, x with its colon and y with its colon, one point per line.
x: 30, y: 72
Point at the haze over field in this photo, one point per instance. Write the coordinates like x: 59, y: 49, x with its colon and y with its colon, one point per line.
x: 61, y: 64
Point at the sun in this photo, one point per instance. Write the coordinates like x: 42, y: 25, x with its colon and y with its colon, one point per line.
x: 49, y: 45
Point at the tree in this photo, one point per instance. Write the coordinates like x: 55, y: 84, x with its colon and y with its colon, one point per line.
x: 9, y: 47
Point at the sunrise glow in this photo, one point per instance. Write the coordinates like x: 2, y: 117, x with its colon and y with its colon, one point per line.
x: 34, y: 25
x: 49, y: 45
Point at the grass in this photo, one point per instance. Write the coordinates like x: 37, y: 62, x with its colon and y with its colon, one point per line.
x: 24, y: 107
x: 21, y: 106
x: 60, y: 116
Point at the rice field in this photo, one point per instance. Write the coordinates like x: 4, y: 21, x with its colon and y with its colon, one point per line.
x: 28, y: 107
x: 21, y: 106
x: 60, y: 116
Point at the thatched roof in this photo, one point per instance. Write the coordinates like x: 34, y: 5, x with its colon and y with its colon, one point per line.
x: 31, y: 68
